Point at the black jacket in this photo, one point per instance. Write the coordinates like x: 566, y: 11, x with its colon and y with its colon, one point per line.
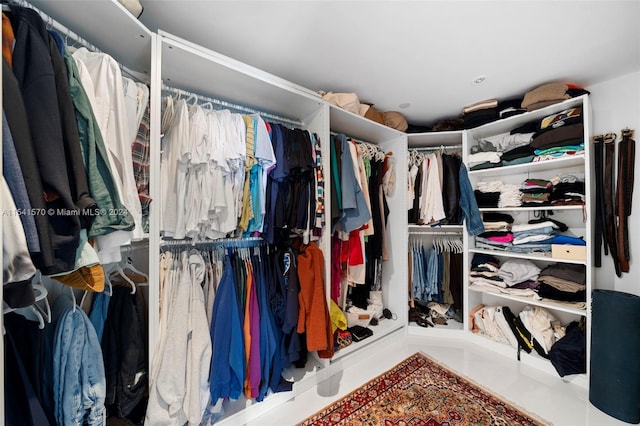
x: 33, y: 69
x: 17, y: 119
x: 75, y: 165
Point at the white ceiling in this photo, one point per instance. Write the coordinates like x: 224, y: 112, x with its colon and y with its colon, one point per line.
x: 424, y: 53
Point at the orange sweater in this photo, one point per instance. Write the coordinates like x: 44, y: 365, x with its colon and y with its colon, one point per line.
x: 313, y: 316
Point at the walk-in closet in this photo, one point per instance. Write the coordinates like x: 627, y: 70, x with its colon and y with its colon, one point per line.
x: 301, y: 213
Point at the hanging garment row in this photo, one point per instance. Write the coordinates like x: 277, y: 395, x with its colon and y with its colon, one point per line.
x: 70, y: 124
x: 87, y: 363
x: 225, y: 174
x: 232, y: 320
x: 363, y: 177
x: 439, y: 191
x: 435, y: 273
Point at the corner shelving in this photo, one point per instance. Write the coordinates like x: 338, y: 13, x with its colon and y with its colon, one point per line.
x: 577, y: 217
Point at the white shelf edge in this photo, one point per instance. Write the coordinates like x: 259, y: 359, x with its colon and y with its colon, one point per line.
x: 526, y: 256
x: 379, y: 331
x: 530, y: 301
x: 531, y: 209
x: 452, y: 330
x: 428, y: 228
x: 530, y: 359
x: 252, y: 409
x: 575, y: 160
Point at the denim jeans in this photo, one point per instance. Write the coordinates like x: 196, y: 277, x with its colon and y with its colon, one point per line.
x: 468, y: 204
x: 79, y: 383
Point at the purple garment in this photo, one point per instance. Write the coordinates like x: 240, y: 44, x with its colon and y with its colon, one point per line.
x: 254, y: 350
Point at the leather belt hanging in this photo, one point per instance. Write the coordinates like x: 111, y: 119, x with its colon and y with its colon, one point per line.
x: 600, y: 238
x: 624, y: 189
x: 608, y: 195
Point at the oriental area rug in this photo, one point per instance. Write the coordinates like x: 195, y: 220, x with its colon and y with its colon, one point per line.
x: 421, y: 391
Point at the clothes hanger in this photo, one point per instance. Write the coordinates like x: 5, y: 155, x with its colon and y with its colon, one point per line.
x: 41, y: 294
x: 118, y: 269
x: 73, y: 298
x: 29, y: 312
x: 127, y: 265
x: 108, y: 285
x: 193, y: 97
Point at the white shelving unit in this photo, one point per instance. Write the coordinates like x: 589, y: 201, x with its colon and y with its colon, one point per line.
x: 577, y: 218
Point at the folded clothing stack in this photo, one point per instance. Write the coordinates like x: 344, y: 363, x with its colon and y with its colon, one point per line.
x: 497, y: 194
x: 510, y: 107
x: 567, y: 193
x: 563, y: 282
x: 549, y: 94
x: 535, y: 192
x: 480, y: 113
x: 494, y: 221
x: 558, y: 134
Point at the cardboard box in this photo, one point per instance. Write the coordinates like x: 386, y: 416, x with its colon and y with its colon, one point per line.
x: 567, y: 251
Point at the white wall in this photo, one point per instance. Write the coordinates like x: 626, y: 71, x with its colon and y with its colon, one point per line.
x: 616, y: 105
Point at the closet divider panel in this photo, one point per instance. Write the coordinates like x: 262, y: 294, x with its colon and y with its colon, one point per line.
x: 154, y: 192
x: 394, y: 271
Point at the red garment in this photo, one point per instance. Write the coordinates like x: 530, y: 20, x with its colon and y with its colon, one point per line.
x: 351, y: 251
x: 336, y: 270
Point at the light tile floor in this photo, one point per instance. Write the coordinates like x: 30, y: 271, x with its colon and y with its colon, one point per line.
x: 562, y: 403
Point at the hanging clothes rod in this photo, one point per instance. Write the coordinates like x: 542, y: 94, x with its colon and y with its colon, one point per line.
x: 379, y: 151
x: 356, y: 140
x: 223, y: 242
x: 225, y: 104
x: 67, y: 33
x: 436, y: 233
x: 436, y: 148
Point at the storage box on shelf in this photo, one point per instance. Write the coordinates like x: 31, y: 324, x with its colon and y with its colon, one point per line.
x: 576, y: 217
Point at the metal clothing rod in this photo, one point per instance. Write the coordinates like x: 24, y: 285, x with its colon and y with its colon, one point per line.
x: 223, y: 242
x: 436, y: 233
x: 67, y: 33
x: 356, y: 140
x: 202, y: 98
x: 436, y: 148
